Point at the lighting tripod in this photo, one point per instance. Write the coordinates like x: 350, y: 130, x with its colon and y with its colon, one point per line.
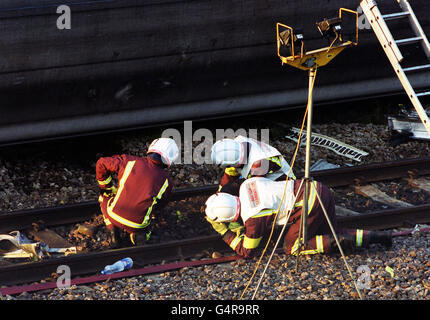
x: 311, y: 61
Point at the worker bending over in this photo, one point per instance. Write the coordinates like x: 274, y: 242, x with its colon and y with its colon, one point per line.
x: 255, y: 209
x: 245, y: 158
x: 143, y: 187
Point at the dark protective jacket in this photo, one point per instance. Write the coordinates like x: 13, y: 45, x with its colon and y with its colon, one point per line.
x: 143, y: 186
x: 247, y: 239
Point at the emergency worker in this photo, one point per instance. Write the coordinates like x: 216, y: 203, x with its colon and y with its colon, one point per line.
x: 143, y: 187
x: 243, y: 221
x: 244, y: 158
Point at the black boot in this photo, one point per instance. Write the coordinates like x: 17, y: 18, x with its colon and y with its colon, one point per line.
x: 347, y: 242
x: 382, y: 237
x: 114, y: 238
x: 137, y: 238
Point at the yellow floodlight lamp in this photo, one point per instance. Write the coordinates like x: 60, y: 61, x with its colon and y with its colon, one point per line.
x: 287, y: 38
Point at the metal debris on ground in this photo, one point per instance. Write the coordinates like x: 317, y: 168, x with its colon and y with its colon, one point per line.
x: 321, y: 164
x: 15, y: 245
x: 407, y: 125
x: 417, y: 230
x: 337, y: 146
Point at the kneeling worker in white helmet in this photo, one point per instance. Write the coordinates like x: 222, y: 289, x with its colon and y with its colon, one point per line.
x: 144, y: 186
x: 246, y: 157
x: 243, y: 221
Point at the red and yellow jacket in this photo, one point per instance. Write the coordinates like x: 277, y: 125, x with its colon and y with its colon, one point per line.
x: 245, y: 243
x: 246, y: 239
x: 143, y: 185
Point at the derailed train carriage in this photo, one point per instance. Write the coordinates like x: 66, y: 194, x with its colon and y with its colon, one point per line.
x: 134, y: 63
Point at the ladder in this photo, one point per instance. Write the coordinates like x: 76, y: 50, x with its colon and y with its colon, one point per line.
x: 390, y: 46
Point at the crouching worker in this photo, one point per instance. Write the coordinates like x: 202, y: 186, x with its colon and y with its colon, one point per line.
x: 143, y: 187
x: 245, y: 158
x: 253, y: 213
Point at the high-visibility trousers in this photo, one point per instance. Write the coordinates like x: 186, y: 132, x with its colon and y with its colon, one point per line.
x: 318, y: 229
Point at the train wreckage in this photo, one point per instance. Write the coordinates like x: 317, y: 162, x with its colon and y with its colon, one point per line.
x: 136, y: 63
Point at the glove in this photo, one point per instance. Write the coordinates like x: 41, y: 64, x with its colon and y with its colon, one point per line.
x: 108, y: 191
x: 235, y: 227
x: 219, y: 227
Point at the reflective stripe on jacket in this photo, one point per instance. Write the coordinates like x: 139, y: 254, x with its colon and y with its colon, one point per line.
x: 142, y: 186
x: 256, y: 227
x: 260, y: 224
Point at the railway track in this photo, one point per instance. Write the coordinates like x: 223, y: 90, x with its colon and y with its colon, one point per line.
x: 89, y: 263
x: 362, y: 174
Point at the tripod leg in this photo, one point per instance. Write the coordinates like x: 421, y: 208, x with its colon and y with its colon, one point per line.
x: 303, y: 236
x: 276, y: 245
x: 337, y: 242
x: 301, y: 246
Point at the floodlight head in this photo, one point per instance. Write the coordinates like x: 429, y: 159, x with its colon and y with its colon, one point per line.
x: 289, y: 40
x: 287, y: 36
x: 298, y: 35
x: 330, y: 27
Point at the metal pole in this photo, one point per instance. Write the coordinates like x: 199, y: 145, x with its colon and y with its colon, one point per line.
x: 312, y: 74
x: 304, y: 217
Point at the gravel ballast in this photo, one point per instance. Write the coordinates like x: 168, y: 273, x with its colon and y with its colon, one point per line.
x: 46, y: 179
x: 321, y: 277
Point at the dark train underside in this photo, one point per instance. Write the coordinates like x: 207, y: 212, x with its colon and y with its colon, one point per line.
x: 131, y: 63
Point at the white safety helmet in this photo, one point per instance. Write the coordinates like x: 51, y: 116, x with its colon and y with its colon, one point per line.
x: 227, y: 152
x: 166, y: 148
x: 223, y: 207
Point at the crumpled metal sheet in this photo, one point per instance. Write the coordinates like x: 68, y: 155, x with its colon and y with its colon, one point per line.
x: 16, y: 245
x: 407, y: 125
x: 322, y: 164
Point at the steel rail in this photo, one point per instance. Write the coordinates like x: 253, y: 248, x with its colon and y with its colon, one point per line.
x: 87, y: 263
x: 373, y: 172
x: 94, y: 262
x: 11, y: 290
x: 72, y: 213
x: 90, y: 263
x: 386, y: 219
